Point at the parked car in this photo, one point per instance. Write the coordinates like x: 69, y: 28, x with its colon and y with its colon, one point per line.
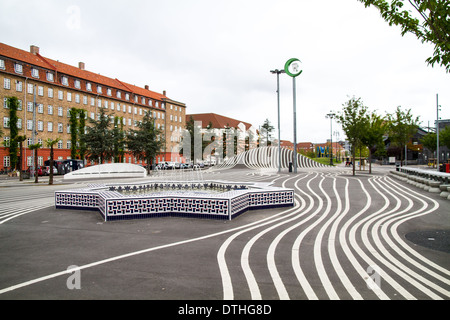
x: 40, y: 170
x: 47, y: 170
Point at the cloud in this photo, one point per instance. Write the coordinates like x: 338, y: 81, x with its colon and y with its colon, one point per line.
x: 216, y: 56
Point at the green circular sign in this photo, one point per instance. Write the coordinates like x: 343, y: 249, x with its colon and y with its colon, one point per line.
x: 292, y: 67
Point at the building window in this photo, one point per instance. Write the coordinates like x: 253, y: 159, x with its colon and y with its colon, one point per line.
x: 49, y: 126
x: 50, y: 109
x: 119, y: 94
x: 60, y: 144
x: 19, y: 123
x: 109, y: 92
x: 77, y: 98
x: 6, y: 141
x: 50, y: 92
x: 35, y: 73
x: 5, y: 103
x: 60, y: 95
x: 5, y: 122
x: 40, y: 108
x: 40, y: 91
x: 69, y: 96
x: 30, y: 106
x: 6, y: 161
x: 7, y: 83
x: 30, y: 89
x: 50, y: 76
x: 77, y: 84
x: 18, y: 68
x: 85, y: 99
x: 2, y: 64
x: 99, y: 89
x: 65, y: 80
x: 127, y: 97
x: 60, y: 111
x: 60, y: 127
x: 88, y: 86
x: 40, y: 126
x: 19, y: 86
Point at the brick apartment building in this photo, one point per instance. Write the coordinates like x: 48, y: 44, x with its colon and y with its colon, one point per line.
x: 58, y: 87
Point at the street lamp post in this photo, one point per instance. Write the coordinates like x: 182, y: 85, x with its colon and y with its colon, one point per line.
x: 331, y: 115
x: 292, y: 68
x: 277, y: 72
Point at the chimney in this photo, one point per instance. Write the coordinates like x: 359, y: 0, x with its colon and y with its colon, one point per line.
x: 146, y: 87
x: 34, y: 49
x: 81, y: 65
x: 164, y: 92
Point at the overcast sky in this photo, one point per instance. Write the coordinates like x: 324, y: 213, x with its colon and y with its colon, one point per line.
x: 216, y: 55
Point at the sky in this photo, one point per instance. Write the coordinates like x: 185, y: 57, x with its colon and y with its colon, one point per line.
x: 216, y: 55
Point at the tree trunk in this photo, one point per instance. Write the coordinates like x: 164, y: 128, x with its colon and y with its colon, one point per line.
x: 50, y: 179
x: 36, y: 174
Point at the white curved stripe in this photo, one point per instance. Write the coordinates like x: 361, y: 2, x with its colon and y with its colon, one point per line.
x: 405, y: 271
x: 345, y: 246
x: 405, y: 246
x: 295, y: 255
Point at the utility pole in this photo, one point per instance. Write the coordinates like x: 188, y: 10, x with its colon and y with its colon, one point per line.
x: 277, y: 72
x: 437, y: 131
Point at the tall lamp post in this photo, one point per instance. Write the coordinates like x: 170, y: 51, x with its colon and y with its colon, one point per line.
x: 292, y: 68
x: 331, y: 115
x: 277, y: 72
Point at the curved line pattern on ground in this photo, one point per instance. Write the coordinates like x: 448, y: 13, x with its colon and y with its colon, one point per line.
x: 341, y: 246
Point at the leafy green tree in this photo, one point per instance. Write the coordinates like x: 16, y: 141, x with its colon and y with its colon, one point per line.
x: 73, y: 123
x: 354, y: 120
x: 432, y: 24
x: 268, y: 128
x: 51, y: 143
x: 13, y: 105
x: 118, y: 139
x: 373, y: 136
x: 81, y: 132
x: 99, y: 139
x: 429, y: 141
x: 402, y: 127
x: 444, y: 137
x: 145, y: 142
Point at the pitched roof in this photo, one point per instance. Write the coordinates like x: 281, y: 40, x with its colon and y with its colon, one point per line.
x: 218, y: 121
x: 47, y: 63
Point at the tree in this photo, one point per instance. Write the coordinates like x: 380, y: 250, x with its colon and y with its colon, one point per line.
x: 81, y: 132
x: 373, y: 135
x: 432, y: 25
x: 429, y: 141
x: 268, y: 128
x: 118, y: 139
x: 35, y: 147
x: 73, y: 122
x: 402, y: 127
x: 98, y: 139
x: 13, y: 105
x: 353, y: 119
x: 51, y: 143
x: 444, y: 137
x: 145, y: 142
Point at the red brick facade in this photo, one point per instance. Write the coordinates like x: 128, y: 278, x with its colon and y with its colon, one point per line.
x: 60, y: 87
